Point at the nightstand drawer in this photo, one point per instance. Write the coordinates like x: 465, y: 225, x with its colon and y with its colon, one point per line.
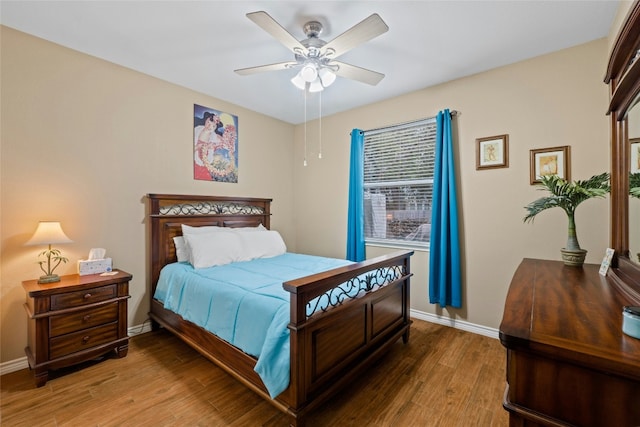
x: 74, y: 299
x: 66, y: 323
x: 85, y: 339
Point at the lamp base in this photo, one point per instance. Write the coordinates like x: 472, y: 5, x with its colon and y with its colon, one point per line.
x: 49, y: 278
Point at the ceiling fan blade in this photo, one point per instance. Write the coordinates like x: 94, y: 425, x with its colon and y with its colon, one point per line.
x: 356, y: 73
x: 263, y: 68
x: 365, y: 30
x: 271, y: 26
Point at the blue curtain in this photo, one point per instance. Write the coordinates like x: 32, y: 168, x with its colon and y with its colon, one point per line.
x: 445, y: 281
x: 355, y: 219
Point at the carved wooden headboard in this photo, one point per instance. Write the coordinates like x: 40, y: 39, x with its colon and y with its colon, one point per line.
x: 167, y: 212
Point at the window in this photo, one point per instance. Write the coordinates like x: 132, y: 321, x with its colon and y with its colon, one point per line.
x: 398, y: 183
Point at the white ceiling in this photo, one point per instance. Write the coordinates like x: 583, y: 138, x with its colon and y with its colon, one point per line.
x: 198, y: 44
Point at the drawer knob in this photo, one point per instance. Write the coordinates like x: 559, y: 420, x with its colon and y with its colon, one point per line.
x: 85, y: 339
x: 87, y: 296
x: 86, y: 318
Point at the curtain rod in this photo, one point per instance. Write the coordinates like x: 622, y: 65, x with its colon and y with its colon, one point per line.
x: 452, y: 113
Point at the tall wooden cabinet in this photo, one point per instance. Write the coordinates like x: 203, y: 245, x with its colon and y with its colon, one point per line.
x: 568, y: 361
x: 74, y: 320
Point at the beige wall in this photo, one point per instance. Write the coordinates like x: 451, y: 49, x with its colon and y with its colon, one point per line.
x: 552, y: 100
x: 84, y: 140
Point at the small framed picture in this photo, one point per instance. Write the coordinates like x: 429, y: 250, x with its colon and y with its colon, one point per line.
x: 492, y: 152
x: 550, y: 161
x: 606, y: 261
x: 635, y: 155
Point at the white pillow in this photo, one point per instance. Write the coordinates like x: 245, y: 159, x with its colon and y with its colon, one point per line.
x: 259, y: 227
x: 187, y: 229
x: 265, y: 244
x: 211, y: 249
x: 182, y: 250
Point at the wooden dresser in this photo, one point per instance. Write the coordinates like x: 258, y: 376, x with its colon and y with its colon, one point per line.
x: 74, y: 320
x: 568, y: 362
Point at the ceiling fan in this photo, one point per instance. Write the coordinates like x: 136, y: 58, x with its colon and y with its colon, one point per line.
x: 316, y: 58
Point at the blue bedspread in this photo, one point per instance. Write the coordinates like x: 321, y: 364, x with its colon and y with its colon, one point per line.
x: 244, y: 304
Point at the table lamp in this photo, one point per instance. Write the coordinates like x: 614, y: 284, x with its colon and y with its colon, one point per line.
x: 48, y: 233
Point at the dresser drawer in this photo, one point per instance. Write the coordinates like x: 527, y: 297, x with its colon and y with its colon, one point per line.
x: 88, y: 296
x: 83, y: 319
x: 81, y: 340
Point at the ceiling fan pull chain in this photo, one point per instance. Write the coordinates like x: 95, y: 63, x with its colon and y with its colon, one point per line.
x: 320, y: 125
x: 305, y: 126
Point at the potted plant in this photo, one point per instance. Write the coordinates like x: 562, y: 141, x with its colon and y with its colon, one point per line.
x: 567, y: 196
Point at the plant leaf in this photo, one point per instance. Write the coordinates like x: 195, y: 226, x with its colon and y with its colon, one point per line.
x: 567, y: 195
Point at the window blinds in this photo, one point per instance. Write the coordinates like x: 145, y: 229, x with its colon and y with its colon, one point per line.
x: 398, y: 181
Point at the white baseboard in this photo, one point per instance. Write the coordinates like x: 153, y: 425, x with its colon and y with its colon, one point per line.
x: 13, y: 365
x: 139, y: 329
x: 454, y: 323
x: 22, y: 363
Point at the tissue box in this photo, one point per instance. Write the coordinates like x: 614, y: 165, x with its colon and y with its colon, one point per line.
x: 631, y: 321
x: 93, y: 266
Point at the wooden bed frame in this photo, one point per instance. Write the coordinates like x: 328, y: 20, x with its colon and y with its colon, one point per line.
x: 329, y: 348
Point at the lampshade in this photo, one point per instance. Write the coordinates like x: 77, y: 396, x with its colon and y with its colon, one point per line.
x: 315, y: 86
x: 298, y: 82
x: 327, y: 77
x: 47, y: 233
x: 309, y: 72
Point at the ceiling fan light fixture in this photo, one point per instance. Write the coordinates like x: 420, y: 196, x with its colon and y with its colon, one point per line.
x: 327, y: 77
x: 313, y: 55
x: 309, y: 72
x: 316, y: 86
x: 298, y: 82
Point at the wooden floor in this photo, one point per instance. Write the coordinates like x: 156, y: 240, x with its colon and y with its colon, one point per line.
x: 442, y: 377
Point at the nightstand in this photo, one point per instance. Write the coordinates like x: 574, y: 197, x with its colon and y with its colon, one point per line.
x: 74, y: 320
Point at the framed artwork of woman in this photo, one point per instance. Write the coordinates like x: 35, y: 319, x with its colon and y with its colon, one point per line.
x: 215, y: 145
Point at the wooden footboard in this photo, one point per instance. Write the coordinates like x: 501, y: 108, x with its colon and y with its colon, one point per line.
x: 334, y: 337
x: 331, y: 347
